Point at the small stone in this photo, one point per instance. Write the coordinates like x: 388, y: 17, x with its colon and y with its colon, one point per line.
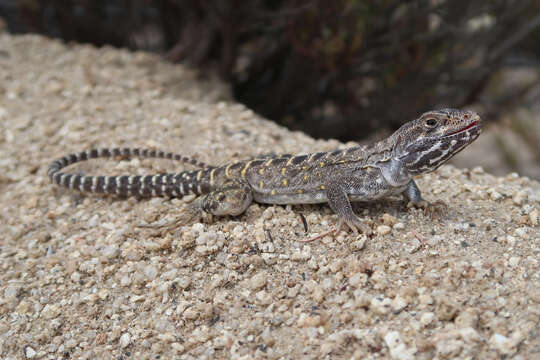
x: 12, y: 291
x: 258, y: 281
x: 29, y: 352
x: 303, y: 255
x: 359, y: 243
x: 50, y: 311
x: 362, y: 298
x: 381, y: 305
x: 263, y: 297
x: 151, y: 272
x: 520, y: 197
x: 306, y: 320
x: 470, y: 335
x: 397, y: 348
x: 427, y: 318
x: 389, y: 220
x: 466, y: 319
x: 191, y: 314
x: 179, y: 348
x: 502, y: 344
x: 103, y: 294
x: 533, y: 215
x: 494, y: 195
x: 269, y: 258
x: 478, y: 170
x: 125, y: 340
x: 511, y: 240
x: 170, y: 275
x: 414, y: 246
x: 384, y: 229
x: 449, y: 348
x: 398, y: 304
x: 513, y: 261
x: 522, y: 233
x: 110, y: 252
x: 76, y: 276
x: 399, y: 226
x: 425, y: 299
x: 183, y: 282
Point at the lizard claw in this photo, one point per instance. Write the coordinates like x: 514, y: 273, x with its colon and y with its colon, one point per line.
x: 354, y: 225
x: 189, y: 215
x: 433, y: 210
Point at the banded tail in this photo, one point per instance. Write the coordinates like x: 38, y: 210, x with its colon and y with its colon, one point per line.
x: 171, y: 185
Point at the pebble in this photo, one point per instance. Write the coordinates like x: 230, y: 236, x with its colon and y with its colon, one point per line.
x: 520, y: 197
x: 494, y: 195
x: 359, y: 243
x: 502, y: 344
x: 384, y: 229
x: 399, y: 303
x: 449, y: 348
x: 399, y: 226
x: 110, y: 251
x: 427, y: 318
x: 381, y: 305
x: 29, y: 352
x: 513, y: 261
x: 50, y: 311
x: 258, y: 281
x: 414, y: 246
x: 397, y: 348
x: 125, y: 340
x: 12, y: 291
x: 191, y: 314
x: 511, y: 240
x: 522, y: 233
x: 389, y: 219
x: 151, y: 272
x: 533, y: 215
x: 466, y: 319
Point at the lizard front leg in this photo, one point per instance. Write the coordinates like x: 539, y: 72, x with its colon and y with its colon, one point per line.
x: 414, y: 196
x: 340, y: 203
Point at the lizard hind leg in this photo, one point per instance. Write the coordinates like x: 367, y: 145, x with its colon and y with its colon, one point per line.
x: 232, y: 198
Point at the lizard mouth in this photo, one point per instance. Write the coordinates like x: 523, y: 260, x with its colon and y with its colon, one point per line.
x: 472, y: 125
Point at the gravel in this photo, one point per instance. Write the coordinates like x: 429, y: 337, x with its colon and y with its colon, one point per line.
x: 90, y: 276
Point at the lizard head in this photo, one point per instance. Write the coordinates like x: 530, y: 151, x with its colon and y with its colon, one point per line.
x: 424, y: 144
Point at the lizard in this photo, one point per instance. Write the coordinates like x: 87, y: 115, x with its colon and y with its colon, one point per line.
x: 339, y: 177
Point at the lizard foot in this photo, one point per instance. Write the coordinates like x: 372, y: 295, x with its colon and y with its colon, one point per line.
x: 190, y: 214
x: 433, y: 210
x: 354, y: 224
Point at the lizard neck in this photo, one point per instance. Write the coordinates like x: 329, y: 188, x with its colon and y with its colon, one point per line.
x: 392, y: 168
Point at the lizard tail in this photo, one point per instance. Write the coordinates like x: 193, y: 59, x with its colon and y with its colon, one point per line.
x: 171, y: 185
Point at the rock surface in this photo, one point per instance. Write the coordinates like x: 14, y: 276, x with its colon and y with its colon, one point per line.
x: 81, y: 279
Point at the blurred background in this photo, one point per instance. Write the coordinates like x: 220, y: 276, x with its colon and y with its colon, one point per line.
x: 345, y: 69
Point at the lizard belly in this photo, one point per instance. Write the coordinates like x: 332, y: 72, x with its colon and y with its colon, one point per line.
x: 284, y: 199
x: 378, y: 194
x: 371, y: 184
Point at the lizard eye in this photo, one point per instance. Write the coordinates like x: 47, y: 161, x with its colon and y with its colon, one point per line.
x: 431, y: 122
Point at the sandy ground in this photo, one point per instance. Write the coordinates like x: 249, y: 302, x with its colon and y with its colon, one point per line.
x: 81, y: 278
